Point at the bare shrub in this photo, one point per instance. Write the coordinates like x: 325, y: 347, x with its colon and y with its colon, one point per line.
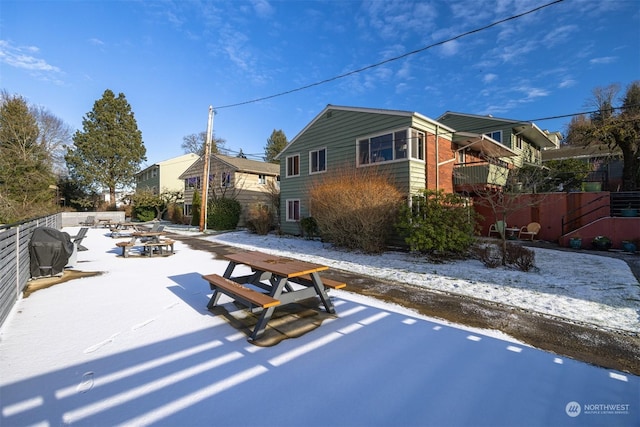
x: 520, y: 257
x: 259, y: 219
x: 490, y: 255
x: 355, y: 208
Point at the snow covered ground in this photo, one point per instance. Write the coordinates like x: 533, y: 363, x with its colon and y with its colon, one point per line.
x: 578, y: 286
x: 136, y: 346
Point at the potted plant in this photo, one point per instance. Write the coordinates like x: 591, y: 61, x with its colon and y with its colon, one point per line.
x: 629, y: 245
x: 601, y: 243
x: 575, y: 241
x: 629, y: 211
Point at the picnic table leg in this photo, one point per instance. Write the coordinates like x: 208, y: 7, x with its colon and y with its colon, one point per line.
x: 214, y: 299
x: 258, y: 330
x: 322, y: 293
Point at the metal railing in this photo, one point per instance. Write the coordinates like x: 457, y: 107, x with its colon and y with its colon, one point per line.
x: 15, y: 259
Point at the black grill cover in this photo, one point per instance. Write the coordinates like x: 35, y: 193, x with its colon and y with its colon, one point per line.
x: 49, y: 251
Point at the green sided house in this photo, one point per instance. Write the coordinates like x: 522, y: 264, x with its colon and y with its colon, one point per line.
x: 418, y: 152
x: 247, y: 181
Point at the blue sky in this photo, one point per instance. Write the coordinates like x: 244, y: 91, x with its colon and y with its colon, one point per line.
x: 172, y: 59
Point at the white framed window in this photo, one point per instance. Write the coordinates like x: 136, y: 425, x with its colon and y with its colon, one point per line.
x: 390, y: 146
x: 262, y: 179
x: 318, y: 161
x: 519, y: 142
x: 293, y: 165
x: 495, y: 135
x: 461, y: 157
x: 417, y: 144
x: 293, y: 210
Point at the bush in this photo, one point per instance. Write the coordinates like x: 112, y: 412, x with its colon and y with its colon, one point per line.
x: 437, y: 223
x: 175, y: 213
x: 309, y: 227
x: 520, y: 257
x: 489, y: 255
x: 259, y: 219
x: 354, y: 208
x: 516, y: 256
x: 223, y: 214
x: 195, y: 209
x: 143, y: 213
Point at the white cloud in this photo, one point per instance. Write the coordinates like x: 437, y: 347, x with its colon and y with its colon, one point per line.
x: 450, y: 48
x: 567, y: 83
x: 263, y: 8
x: 488, y: 78
x: 603, y: 60
x: 96, y: 42
x: 20, y: 57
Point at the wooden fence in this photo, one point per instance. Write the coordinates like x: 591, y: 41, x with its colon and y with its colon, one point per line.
x: 15, y: 260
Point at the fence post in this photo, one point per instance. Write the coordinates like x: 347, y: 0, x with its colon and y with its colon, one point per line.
x: 18, y: 264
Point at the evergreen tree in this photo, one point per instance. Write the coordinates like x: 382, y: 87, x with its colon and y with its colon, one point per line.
x: 275, y: 144
x: 109, y: 149
x: 25, y: 166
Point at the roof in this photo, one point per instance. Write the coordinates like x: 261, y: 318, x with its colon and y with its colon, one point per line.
x: 482, y: 143
x: 580, y: 152
x: 238, y: 163
x: 329, y: 107
x: 186, y: 157
x: 529, y: 129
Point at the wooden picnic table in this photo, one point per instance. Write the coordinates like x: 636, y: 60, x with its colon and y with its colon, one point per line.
x: 149, y: 241
x: 275, y: 281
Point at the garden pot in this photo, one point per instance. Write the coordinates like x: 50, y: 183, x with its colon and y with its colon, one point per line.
x: 601, y: 243
x: 629, y: 246
x: 629, y: 212
x: 575, y: 243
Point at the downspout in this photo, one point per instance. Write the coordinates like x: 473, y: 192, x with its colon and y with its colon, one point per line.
x: 437, y: 157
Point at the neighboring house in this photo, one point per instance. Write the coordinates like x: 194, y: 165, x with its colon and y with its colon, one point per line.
x: 418, y: 152
x: 606, y: 164
x: 165, y: 176
x: 248, y: 181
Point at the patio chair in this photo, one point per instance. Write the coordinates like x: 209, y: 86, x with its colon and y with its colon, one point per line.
x: 497, y: 228
x: 530, y: 231
x: 77, y: 239
x: 90, y: 221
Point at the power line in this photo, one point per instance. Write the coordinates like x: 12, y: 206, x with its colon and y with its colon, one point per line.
x: 405, y: 55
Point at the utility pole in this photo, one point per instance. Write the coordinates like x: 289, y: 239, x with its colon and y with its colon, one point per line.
x: 205, y: 173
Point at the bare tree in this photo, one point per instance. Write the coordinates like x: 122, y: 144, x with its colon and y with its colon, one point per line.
x: 194, y: 143
x: 53, y: 135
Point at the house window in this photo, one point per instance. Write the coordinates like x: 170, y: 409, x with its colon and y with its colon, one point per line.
x: 154, y: 172
x: 192, y: 183
x: 519, y: 142
x: 400, y: 144
x: 262, y: 179
x: 293, y: 165
x: 417, y: 145
x: 293, y: 210
x: 318, y: 160
x: 495, y: 135
x: 390, y: 146
x: 226, y: 179
x: 461, y: 156
x: 187, y: 210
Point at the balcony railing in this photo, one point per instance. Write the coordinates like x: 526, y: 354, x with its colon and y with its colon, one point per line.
x: 483, y: 174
